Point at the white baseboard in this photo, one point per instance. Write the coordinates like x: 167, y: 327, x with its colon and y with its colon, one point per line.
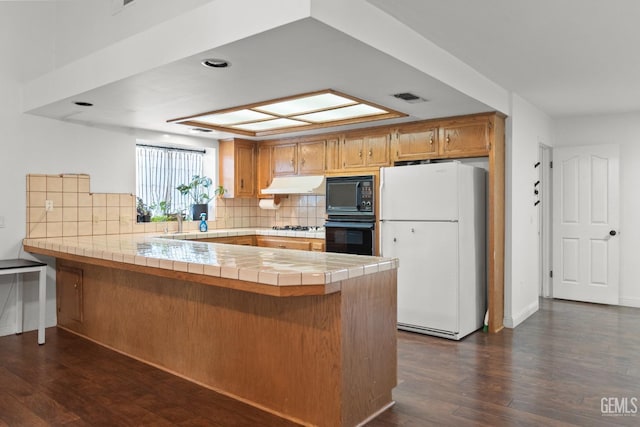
x: 630, y: 302
x: 513, y: 321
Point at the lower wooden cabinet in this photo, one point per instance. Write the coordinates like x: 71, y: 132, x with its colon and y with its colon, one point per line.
x: 69, y: 299
x: 300, y: 243
x: 232, y: 240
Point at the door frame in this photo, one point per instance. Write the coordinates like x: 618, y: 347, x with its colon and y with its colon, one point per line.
x: 545, y: 220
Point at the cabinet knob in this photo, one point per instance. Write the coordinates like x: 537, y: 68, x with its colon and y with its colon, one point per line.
x: 75, y: 285
x: 370, y: 153
x: 360, y: 153
x: 241, y: 183
x: 448, y: 139
x: 431, y: 141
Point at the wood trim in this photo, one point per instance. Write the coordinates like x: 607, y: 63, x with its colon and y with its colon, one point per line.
x: 495, y: 262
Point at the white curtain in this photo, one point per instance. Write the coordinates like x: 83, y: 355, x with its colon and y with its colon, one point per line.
x: 160, y: 170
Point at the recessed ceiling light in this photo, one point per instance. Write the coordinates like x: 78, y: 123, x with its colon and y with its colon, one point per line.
x: 296, y: 113
x: 215, y: 63
x: 83, y: 104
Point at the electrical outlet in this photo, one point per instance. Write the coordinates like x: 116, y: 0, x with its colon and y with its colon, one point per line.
x: 48, y: 205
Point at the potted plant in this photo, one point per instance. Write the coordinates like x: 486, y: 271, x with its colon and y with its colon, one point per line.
x: 198, y: 190
x: 143, y: 212
x: 220, y: 191
x: 164, y: 210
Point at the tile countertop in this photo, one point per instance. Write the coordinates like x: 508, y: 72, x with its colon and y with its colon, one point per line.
x: 182, y: 252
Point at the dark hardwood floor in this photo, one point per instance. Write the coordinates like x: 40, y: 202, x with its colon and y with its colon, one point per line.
x: 554, y: 369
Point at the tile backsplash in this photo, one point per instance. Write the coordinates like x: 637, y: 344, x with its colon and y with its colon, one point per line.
x: 78, y: 212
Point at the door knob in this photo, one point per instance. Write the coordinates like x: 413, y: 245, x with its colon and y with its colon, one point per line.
x: 612, y: 233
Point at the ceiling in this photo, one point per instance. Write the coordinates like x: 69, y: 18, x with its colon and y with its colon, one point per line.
x: 569, y: 57
x: 564, y: 57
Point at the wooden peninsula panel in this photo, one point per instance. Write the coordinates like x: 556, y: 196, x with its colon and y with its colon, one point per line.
x: 326, y: 360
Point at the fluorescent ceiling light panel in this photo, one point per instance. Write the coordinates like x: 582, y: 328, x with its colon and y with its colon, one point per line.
x: 296, y: 113
x: 307, y: 104
x: 233, y: 117
x: 270, y: 124
x: 339, y: 114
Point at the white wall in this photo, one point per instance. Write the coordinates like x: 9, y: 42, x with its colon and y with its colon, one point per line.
x: 31, y: 144
x: 622, y: 129
x: 527, y: 128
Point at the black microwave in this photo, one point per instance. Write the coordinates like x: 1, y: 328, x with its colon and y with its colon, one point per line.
x: 350, y: 195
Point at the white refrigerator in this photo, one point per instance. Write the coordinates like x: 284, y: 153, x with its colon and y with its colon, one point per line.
x: 433, y: 219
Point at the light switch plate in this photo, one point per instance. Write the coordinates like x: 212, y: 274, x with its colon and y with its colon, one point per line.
x: 48, y: 205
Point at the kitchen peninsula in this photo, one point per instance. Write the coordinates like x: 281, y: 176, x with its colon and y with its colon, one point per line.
x: 310, y: 336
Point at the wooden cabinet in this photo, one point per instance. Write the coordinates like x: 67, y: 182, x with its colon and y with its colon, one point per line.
x: 311, y: 158
x: 415, y: 143
x: 69, y: 299
x: 465, y: 138
x: 332, y: 154
x: 285, y: 159
x: 238, y: 167
x: 317, y: 245
x: 365, y: 150
x: 265, y: 169
x: 249, y: 240
x: 299, y: 243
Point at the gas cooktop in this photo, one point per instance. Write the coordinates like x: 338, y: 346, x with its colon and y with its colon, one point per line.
x: 295, y: 228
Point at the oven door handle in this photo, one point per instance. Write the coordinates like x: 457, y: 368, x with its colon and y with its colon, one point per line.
x: 358, y: 225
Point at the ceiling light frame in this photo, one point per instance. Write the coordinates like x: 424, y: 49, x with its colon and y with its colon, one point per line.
x: 207, y: 120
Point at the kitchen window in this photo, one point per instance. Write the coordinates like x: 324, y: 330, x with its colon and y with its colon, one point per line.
x: 159, y: 170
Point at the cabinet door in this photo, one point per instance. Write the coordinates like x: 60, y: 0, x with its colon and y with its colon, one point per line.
x: 265, y: 171
x: 284, y: 243
x: 415, y: 143
x: 377, y: 150
x: 245, y: 167
x: 284, y: 159
x: 69, y: 295
x: 311, y: 158
x: 332, y: 154
x: 465, y: 139
x: 353, y: 154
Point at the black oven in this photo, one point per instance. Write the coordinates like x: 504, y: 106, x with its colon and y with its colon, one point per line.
x: 350, y: 237
x: 350, y: 225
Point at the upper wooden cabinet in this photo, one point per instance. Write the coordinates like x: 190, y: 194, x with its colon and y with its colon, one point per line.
x: 365, y: 150
x: 465, y: 137
x: 238, y: 167
x: 285, y: 159
x: 415, y: 143
x: 311, y: 157
x: 332, y: 154
x: 265, y: 169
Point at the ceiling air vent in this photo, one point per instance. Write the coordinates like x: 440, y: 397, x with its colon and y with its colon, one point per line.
x: 126, y: 2
x: 409, y: 97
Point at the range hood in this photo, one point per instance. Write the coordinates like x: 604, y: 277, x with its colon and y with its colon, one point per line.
x: 307, y: 184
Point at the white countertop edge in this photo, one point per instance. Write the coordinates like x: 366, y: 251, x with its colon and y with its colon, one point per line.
x: 263, y: 275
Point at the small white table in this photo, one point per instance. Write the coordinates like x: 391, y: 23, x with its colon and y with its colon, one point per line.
x: 17, y: 267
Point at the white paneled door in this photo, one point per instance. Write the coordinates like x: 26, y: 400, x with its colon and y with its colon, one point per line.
x: 586, y: 246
